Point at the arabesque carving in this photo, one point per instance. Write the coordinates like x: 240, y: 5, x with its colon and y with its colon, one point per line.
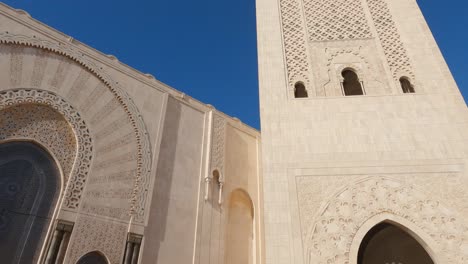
x: 329, y: 240
x: 20, y: 120
x: 90, y: 234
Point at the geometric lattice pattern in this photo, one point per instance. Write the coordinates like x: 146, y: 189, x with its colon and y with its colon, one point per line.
x: 394, y: 49
x: 294, y: 41
x: 336, y: 20
x: 218, y: 145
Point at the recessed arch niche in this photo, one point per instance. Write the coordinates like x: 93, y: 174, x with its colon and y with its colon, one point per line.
x: 240, y: 229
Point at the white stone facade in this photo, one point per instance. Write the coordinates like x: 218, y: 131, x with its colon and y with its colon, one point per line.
x: 136, y: 158
x: 147, y: 174
x: 335, y: 165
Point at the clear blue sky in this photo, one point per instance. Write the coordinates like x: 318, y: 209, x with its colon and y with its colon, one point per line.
x: 207, y: 49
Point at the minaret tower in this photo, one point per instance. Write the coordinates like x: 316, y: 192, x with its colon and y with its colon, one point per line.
x: 363, y: 136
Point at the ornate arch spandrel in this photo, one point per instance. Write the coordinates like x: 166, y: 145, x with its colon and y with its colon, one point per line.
x: 75, y: 166
x: 144, y: 158
x: 329, y: 240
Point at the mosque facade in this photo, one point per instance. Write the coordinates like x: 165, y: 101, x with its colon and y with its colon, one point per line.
x: 361, y: 158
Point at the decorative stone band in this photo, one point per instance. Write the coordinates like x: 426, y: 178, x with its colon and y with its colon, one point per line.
x: 393, y: 47
x: 84, y: 149
x: 144, y: 159
x: 295, y: 43
x: 330, y: 239
x: 218, y: 145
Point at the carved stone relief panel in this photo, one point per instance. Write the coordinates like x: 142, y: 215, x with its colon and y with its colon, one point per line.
x: 43, y: 125
x: 359, y: 55
x: 330, y: 220
x: 94, y: 234
x: 393, y: 47
x: 110, y: 113
x: 295, y: 43
x: 336, y: 20
x: 218, y: 141
x: 46, y: 118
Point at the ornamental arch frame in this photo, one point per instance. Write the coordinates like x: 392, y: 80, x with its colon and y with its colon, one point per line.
x: 337, y: 223
x: 67, y: 49
x: 413, y: 230
x: 70, y: 194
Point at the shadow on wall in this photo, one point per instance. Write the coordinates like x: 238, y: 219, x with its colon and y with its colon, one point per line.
x: 156, y: 230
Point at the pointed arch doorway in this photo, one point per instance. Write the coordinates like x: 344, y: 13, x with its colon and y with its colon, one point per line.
x: 29, y: 190
x: 388, y: 243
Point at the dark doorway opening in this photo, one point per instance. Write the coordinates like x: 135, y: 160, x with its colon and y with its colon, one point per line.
x: 29, y: 189
x: 387, y: 243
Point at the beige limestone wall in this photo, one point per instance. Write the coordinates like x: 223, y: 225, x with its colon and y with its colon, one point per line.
x: 236, y: 156
x: 333, y: 163
x: 170, y: 235
x: 145, y: 153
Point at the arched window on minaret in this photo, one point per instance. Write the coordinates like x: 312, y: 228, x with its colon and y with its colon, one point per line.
x: 300, y: 90
x: 351, y: 83
x: 406, y: 85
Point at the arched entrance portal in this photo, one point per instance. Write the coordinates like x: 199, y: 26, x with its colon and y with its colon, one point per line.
x: 387, y: 243
x: 29, y: 189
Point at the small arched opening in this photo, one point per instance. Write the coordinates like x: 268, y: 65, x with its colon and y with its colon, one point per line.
x: 93, y: 257
x: 351, y: 83
x: 388, y: 243
x: 406, y: 85
x: 300, y: 90
x: 216, y: 176
x: 240, y: 229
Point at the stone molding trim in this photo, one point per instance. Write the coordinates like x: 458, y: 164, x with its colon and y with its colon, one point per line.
x: 331, y: 20
x: 295, y: 43
x: 144, y: 155
x: 331, y: 237
x: 79, y: 169
x: 394, y: 49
